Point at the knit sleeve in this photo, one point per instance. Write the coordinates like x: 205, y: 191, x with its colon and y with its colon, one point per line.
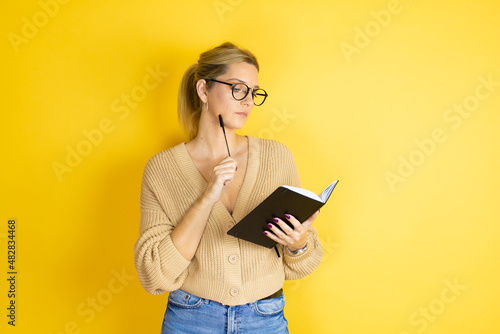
x: 303, y: 264
x: 159, y: 264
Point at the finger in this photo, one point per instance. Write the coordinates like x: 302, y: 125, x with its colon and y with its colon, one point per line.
x: 285, y: 239
x: 222, y: 176
x: 275, y: 238
x: 226, y: 166
x: 229, y: 166
x: 228, y: 160
x: 296, y: 224
x: 284, y: 226
x: 311, y: 219
x: 224, y: 170
x: 226, y: 179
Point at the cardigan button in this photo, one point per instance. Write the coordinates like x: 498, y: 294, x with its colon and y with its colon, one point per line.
x: 234, y: 291
x: 233, y: 258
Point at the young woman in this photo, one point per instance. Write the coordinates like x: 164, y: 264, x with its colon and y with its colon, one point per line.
x: 193, y: 193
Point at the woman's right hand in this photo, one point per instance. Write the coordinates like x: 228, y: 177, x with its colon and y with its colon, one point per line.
x: 222, y: 174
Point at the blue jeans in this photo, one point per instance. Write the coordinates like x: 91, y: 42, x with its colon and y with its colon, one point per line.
x: 187, y: 313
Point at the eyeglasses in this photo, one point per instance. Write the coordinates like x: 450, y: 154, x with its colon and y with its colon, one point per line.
x: 240, y: 91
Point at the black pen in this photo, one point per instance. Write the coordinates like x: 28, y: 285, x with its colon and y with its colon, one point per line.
x: 223, y: 130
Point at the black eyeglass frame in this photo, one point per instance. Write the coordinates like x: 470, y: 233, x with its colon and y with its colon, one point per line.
x: 254, y: 91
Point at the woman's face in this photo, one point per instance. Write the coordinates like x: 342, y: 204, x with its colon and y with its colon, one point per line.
x: 220, y: 98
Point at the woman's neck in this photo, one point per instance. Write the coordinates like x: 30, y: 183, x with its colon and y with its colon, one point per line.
x: 209, y: 143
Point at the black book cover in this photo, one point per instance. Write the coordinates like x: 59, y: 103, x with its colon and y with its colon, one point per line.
x: 281, y: 201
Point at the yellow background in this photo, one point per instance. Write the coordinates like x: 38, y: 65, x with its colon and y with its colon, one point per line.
x: 392, y: 248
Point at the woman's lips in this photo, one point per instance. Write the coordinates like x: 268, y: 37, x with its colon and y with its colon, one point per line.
x: 242, y: 114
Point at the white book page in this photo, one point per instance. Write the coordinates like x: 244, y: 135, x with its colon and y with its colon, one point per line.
x: 304, y: 192
x: 321, y: 198
x: 327, y: 192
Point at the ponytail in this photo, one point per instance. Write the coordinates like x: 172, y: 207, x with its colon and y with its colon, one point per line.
x: 188, y: 103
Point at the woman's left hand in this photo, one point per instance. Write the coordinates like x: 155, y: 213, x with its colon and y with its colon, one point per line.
x: 294, y: 238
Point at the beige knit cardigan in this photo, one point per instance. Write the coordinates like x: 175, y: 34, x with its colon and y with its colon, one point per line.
x: 224, y: 269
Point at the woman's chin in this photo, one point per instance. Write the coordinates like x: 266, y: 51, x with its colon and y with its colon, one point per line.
x: 236, y: 125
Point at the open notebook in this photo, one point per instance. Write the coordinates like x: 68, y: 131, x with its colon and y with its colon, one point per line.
x: 298, y: 202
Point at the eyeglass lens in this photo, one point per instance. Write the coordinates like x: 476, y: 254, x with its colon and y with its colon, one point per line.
x: 240, y: 91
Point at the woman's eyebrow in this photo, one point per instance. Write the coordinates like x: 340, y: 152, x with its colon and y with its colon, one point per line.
x: 256, y: 86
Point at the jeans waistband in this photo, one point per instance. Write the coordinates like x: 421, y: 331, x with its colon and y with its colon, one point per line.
x: 274, y: 295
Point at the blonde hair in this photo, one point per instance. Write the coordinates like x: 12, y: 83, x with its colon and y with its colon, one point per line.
x: 211, y: 64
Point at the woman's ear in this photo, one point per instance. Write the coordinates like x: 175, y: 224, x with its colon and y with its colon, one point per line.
x: 202, y: 90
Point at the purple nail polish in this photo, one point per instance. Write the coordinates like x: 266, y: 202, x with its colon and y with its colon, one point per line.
x: 270, y: 225
x: 287, y: 216
x: 275, y: 220
x: 265, y: 233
